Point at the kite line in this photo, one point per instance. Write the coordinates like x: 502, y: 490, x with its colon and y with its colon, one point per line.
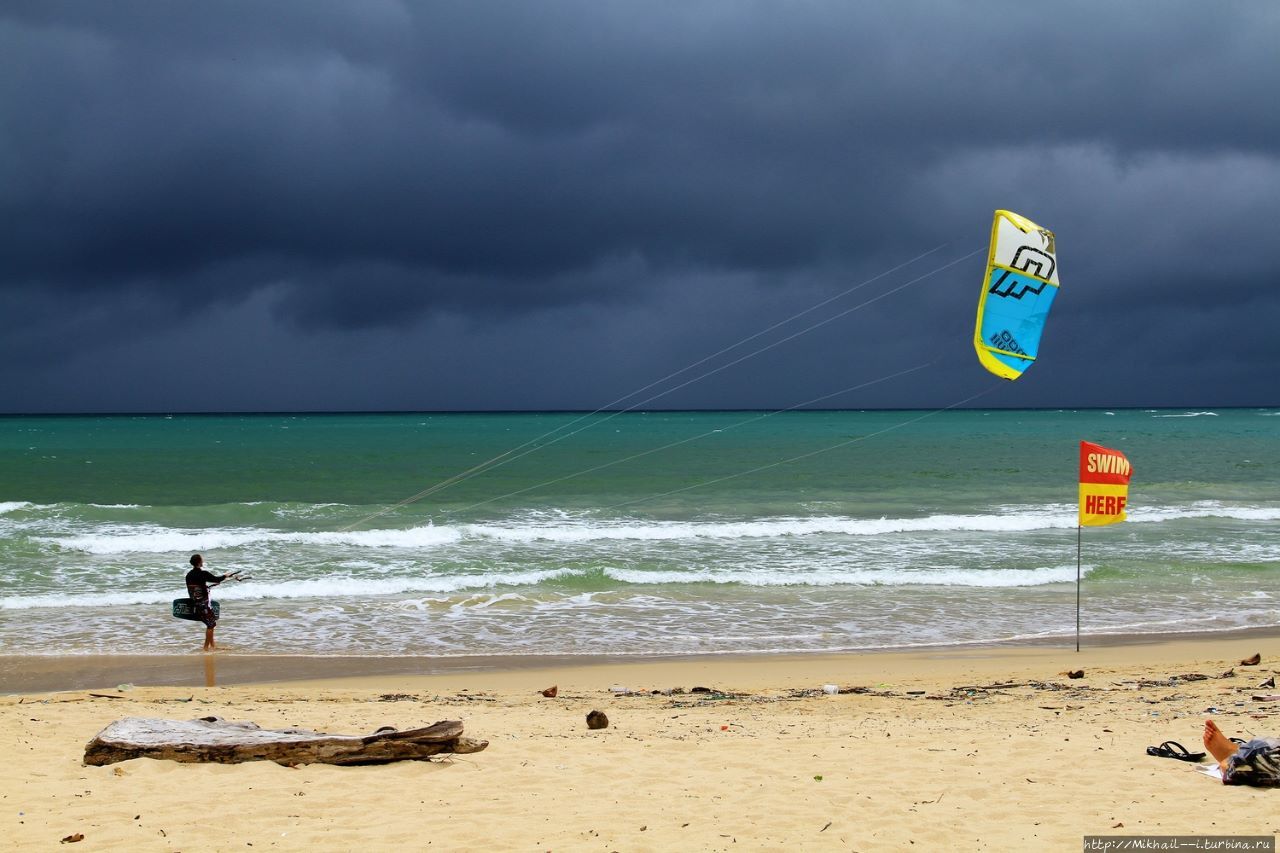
x: 559, y: 433
x: 759, y: 417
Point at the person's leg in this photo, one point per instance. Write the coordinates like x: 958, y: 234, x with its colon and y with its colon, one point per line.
x: 1218, y: 744
x: 210, y: 620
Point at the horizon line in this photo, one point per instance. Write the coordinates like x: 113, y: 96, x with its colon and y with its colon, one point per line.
x: 584, y: 411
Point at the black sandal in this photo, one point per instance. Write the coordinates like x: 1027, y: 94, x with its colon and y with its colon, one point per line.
x: 1173, y: 749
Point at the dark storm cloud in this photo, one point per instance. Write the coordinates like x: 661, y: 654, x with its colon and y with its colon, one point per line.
x: 386, y: 176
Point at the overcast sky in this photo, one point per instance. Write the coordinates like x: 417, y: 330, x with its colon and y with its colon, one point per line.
x: 281, y: 206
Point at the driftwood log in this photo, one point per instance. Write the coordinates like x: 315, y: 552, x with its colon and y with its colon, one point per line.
x: 213, y: 739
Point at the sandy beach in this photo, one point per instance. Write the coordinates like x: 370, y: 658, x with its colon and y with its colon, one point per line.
x: 990, y: 748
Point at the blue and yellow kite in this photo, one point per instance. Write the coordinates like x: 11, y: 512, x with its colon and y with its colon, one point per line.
x: 1021, y: 282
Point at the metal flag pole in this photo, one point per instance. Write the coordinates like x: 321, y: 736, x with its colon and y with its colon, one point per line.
x: 1078, y: 536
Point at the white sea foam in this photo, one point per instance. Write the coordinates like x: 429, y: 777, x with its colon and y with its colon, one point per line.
x: 479, y: 602
x: 334, y: 588
x: 103, y: 599
x: 775, y: 527
x: 1204, y: 509
x: 488, y: 622
x: 10, y: 506
x: 1010, y: 520
x: 1189, y: 415
x: 858, y: 577
x: 420, y: 605
x: 115, y: 539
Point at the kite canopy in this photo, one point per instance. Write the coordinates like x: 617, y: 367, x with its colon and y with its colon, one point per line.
x: 1021, y: 282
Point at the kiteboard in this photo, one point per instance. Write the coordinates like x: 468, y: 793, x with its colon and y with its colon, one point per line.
x: 183, y: 608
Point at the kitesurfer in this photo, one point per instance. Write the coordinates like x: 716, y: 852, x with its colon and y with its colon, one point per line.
x: 198, y: 583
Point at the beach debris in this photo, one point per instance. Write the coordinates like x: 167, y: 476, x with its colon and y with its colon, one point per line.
x: 597, y: 720
x: 1001, y: 685
x: 1076, y: 673
x: 458, y: 698
x: 396, y: 697
x: 701, y: 690
x: 212, y: 739
x: 620, y: 690
x: 72, y: 839
x: 1274, y: 697
x: 831, y: 689
x: 551, y: 691
x: 1270, y: 682
x: 107, y: 696
x: 1171, y: 681
x: 1074, y: 688
x: 1252, y: 661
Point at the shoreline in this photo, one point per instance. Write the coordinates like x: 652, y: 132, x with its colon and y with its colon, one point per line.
x: 55, y: 673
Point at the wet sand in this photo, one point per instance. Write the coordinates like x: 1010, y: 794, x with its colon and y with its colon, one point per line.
x: 26, y: 673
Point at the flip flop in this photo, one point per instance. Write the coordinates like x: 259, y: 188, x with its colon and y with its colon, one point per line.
x: 1173, y: 749
x: 1238, y: 740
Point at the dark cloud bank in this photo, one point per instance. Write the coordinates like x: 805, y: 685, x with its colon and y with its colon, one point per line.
x: 379, y: 205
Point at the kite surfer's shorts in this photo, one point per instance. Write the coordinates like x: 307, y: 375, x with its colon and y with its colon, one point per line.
x: 207, y: 616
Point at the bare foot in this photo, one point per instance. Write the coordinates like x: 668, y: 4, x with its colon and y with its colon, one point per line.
x: 1218, y: 744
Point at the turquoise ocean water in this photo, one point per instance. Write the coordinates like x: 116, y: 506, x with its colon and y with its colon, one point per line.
x: 638, y: 533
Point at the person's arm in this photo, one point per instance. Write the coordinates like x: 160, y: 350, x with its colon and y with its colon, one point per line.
x: 213, y: 580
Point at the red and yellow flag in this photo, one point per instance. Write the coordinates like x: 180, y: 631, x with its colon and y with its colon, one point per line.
x: 1104, y: 485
